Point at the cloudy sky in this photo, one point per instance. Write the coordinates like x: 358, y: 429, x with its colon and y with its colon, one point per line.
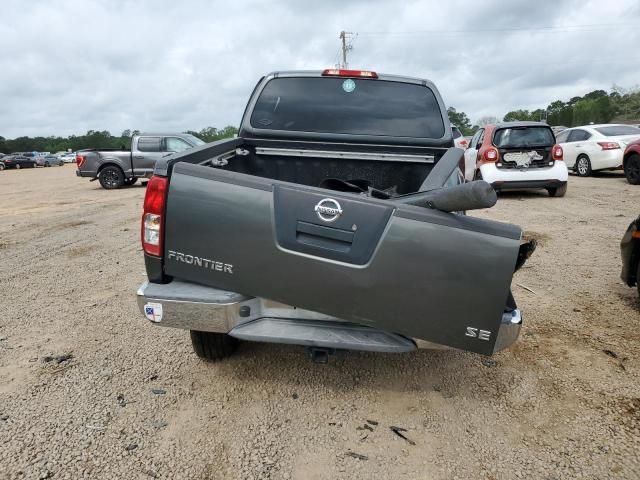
x: 67, y: 66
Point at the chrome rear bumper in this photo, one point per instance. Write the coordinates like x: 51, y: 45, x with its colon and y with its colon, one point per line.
x: 194, y: 307
x: 190, y: 306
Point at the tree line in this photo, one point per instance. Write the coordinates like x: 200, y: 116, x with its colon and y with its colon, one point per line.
x: 97, y: 139
x: 597, y: 106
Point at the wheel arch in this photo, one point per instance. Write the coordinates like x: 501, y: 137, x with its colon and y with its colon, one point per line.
x: 110, y: 164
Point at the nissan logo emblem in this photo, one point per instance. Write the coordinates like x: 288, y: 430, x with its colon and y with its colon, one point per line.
x: 328, y: 209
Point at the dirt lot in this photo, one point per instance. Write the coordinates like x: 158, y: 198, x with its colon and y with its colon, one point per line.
x: 133, y: 401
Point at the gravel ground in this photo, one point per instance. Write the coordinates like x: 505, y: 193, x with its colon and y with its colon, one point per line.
x: 88, y: 389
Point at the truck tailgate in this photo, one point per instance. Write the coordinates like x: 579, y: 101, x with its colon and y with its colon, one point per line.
x: 404, y: 269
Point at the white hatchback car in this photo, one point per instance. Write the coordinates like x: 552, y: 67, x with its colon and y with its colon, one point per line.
x: 596, y: 147
x: 517, y: 156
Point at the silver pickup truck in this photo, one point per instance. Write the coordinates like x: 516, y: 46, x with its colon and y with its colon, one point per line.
x: 336, y: 220
x: 115, y: 168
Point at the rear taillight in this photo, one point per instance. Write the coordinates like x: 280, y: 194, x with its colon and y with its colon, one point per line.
x: 490, y: 155
x: 463, y: 143
x: 153, y: 215
x: 609, y: 145
x: 80, y: 159
x: 557, y: 153
x: 340, y: 72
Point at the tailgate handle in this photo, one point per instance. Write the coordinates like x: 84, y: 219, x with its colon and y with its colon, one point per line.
x: 324, y: 237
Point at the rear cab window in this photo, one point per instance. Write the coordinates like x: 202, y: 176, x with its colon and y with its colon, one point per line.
x: 523, y: 137
x: 149, y: 144
x: 355, y: 106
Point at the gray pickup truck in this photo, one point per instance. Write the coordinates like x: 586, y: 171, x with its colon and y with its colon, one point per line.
x: 115, y: 168
x: 336, y: 220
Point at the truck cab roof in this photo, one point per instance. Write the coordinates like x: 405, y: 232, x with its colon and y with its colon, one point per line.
x: 321, y: 73
x: 518, y: 123
x: 163, y: 134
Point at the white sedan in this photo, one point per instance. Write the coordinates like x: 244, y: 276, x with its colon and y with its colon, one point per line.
x: 596, y: 147
x: 67, y: 157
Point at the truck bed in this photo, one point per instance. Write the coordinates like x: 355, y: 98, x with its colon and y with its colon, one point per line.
x: 398, y: 169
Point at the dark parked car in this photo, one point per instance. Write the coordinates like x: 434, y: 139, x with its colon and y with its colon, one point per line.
x: 18, y: 160
x: 630, y: 250
x: 631, y: 163
x: 33, y: 155
x: 324, y: 205
x: 115, y: 168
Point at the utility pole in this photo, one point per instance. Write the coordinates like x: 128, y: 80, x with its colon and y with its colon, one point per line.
x: 345, y: 47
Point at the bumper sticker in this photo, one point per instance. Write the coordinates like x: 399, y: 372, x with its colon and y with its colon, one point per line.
x: 153, y: 311
x: 348, y: 85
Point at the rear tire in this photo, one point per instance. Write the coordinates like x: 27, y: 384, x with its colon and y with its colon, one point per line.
x: 1, y: 166
x: 111, y: 177
x: 583, y: 166
x: 632, y: 169
x: 557, y: 191
x: 213, y: 346
x: 17, y: 166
